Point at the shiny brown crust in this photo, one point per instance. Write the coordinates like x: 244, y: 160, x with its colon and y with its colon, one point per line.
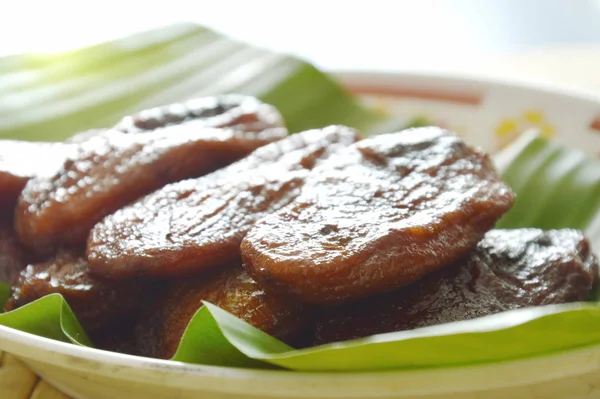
x: 163, y: 324
x: 227, y: 110
x: 198, y: 224
x: 509, y: 269
x: 94, y: 300
x: 377, y: 216
x: 113, y: 169
x: 23, y: 160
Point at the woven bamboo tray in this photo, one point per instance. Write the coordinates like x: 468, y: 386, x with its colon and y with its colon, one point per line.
x: 18, y: 382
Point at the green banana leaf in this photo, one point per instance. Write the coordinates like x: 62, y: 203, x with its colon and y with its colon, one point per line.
x: 216, y: 337
x: 49, y: 317
x: 556, y: 186
x: 51, y: 97
x: 491, y: 338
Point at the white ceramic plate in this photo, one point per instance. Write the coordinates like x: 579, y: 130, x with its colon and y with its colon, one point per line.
x: 486, y: 113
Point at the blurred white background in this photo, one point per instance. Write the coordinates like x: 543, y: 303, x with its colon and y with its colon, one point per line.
x: 449, y: 35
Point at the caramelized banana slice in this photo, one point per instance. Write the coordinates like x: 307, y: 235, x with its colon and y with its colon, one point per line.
x: 376, y: 216
x: 227, y: 110
x: 509, y: 269
x: 198, y: 224
x: 113, y: 169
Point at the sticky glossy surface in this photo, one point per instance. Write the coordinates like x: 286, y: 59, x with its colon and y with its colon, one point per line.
x: 198, y: 224
x: 228, y: 110
x: 163, y: 324
x: 377, y: 216
x: 22, y: 160
x: 95, y: 301
x: 113, y: 169
x: 509, y: 269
